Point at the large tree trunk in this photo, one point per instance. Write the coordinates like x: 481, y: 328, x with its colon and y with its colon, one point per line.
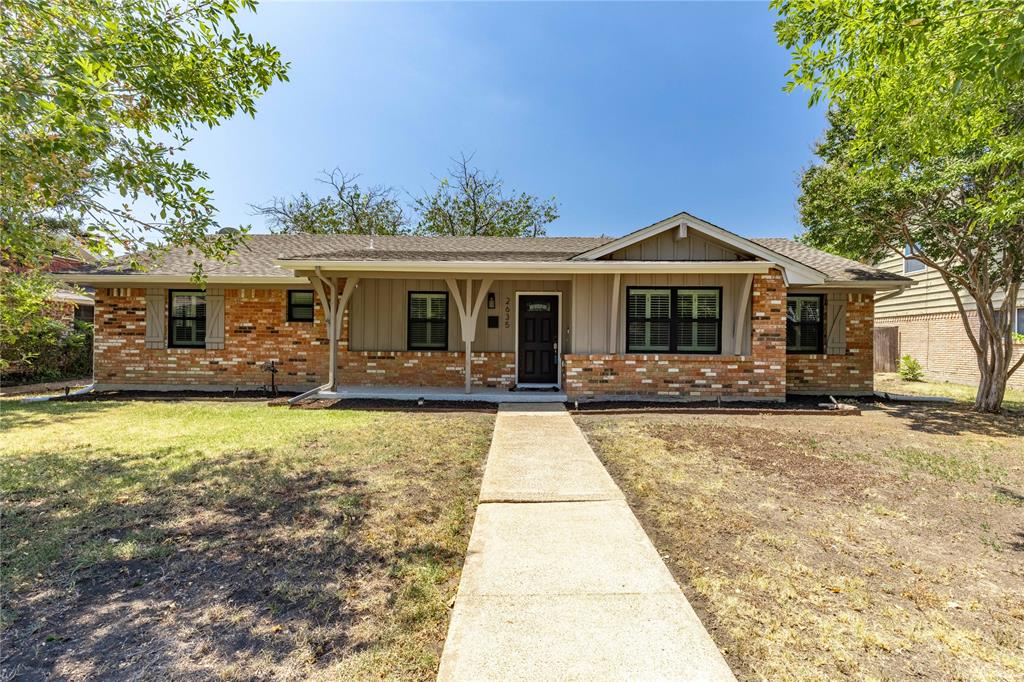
x: 995, y: 355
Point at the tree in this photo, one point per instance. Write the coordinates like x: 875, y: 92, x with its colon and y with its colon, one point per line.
x: 97, y: 98
x: 925, y: 148
x: 350, y: 209
x: 470, y: 203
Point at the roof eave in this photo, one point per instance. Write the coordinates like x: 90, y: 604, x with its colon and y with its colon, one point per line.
x: 521, y: 267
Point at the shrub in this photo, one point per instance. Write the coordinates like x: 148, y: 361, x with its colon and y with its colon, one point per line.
x: 38, y: 339
x: 910, y: 369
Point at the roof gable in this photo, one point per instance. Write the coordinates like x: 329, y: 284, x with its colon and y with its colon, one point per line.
x: 682, y: 223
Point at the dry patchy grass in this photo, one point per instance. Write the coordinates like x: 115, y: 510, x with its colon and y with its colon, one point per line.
x: 888, y: 546
x: 891, y: 382
x: 231, y: 540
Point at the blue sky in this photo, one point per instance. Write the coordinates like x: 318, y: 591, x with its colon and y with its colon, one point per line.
x: 627, y: 113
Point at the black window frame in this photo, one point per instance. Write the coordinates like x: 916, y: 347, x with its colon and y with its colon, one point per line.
x: 674, y: 320
x: 171, y: 317
x: 822, y: 317
x: 292, y: 305
x: 409, y: 320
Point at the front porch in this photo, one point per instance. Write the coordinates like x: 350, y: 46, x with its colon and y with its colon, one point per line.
x: 416, y: 393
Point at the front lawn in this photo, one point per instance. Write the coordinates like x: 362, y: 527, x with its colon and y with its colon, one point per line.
x: 891, y: 382
x: 886, y: 546
x: 231, y: 540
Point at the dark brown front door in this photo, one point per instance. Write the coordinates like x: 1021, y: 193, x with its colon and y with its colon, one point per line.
x: 538, y: 339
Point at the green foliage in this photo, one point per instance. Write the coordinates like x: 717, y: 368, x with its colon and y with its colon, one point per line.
x: 910, y: 369
x: 349, y: 209
x: 925, y: 146
x: 97, y: 101
x: 36, y: 344
x: 470, y: 203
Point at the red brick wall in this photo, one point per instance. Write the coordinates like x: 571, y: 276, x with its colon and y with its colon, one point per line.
x: 256, y: 330
x: 759, y: 376
x: 849, y: 374
x: 940, y: 343
x: 421, y: 368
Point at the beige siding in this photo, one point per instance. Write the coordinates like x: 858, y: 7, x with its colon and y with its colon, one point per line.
x: 379, y: 313
x: 665, y: 246
x: 928, y: 295
x: 593, y: 296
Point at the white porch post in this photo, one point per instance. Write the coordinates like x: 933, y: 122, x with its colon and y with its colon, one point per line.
x: 469, y: 310
x: 334, y: 311
x: 613, y: 319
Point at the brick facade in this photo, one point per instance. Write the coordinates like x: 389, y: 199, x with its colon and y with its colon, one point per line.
x: 421, y: 368
x: 758, y: 376
x: 940, y: 343
x: 849, y: 374
x: 256, y: 331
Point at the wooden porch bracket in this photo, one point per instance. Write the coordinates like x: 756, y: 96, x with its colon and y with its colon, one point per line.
x: 740, y: 325
x: 334, y: 313
x: 469, y: 310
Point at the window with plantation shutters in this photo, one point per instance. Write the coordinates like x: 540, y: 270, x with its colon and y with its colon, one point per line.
x: 673, y: 320
x: 428, y: 320
x: 187, y: 317
x: 804, y: 323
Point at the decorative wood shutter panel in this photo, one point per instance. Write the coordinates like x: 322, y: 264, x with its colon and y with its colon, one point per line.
x: 215, y: 319
x: 156, y: 309
x: 835, y: 333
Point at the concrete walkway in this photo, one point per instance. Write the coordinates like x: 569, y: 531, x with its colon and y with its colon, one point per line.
x: 560, y: 581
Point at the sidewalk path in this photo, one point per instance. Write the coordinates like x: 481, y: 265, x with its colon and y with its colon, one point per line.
x: 560, y: 581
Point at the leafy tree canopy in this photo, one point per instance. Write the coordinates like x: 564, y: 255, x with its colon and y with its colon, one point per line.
x: 925, y: 146
x: 471, y: 203
x: 97, y: 99
x: 348, y: 209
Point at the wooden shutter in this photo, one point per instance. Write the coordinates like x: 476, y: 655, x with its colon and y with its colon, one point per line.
x: 156, y: 311
x: 835, y: 332
x: 215, y: 319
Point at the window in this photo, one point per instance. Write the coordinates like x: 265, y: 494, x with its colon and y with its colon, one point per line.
x: 673, y: 320
x: 187, y: 319
x: 911, y: 264
x: 428, y: 320
x: 1020, y: 321
x: 805, y: 330
x: 300, y: 306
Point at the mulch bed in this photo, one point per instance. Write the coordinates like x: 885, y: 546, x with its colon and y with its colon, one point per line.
x: 794, y: 405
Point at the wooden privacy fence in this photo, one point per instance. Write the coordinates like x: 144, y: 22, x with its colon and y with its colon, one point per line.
x: 887, y: 349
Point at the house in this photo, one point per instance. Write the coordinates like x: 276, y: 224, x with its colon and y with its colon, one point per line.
x: 929, y: 326
x: 681, y: 309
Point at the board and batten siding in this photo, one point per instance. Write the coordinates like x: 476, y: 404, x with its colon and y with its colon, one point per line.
x: 378, y: 313
x: 665, y: 246
x: 929, y: 294
x: 593, y: 299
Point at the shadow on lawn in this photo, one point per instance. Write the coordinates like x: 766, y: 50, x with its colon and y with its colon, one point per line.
x: 15, y: 414
x: 269, y: 571
x: 954, y: 420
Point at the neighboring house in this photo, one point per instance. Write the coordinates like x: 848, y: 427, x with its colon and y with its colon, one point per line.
x: 930, y: 328
x: 681, y: 309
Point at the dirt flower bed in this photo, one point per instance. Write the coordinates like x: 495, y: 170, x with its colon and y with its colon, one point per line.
x: 223, y: 540
x: 886, y: 546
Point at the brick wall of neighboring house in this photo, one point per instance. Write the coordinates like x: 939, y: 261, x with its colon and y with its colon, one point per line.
x: 940, y: 343
x: 256, y: 331
x: 758, y: 376
x: 849, y: 374
x: 422, y: 368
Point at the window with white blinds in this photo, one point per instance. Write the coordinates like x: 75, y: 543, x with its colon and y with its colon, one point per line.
x: 428, y: 320
x: 187, y: 317
x: 673, y: 320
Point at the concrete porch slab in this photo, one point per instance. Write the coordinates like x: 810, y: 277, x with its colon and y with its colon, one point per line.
x: 487, y: 395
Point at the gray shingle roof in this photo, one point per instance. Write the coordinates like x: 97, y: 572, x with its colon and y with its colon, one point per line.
x: 256, y: 257
x: 835, y: 268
